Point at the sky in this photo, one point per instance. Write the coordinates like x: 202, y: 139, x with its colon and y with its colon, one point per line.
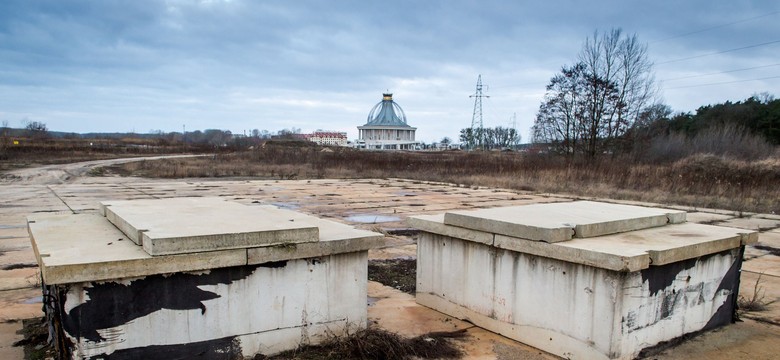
x: 168, y: 65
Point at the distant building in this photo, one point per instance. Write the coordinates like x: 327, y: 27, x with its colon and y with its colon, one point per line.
x: 319, y: 137
x: 386, y: 128
x: 328, y: 138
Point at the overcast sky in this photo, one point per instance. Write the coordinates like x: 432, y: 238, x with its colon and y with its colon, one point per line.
x: 120, y: 66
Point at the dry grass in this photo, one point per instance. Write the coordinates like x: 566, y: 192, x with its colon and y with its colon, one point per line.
x: 705, y: 181
x: 756, y: 301
x: 378, y: 344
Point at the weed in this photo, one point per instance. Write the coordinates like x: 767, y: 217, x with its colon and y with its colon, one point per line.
x: 378, y: 344
x: 756, y: 301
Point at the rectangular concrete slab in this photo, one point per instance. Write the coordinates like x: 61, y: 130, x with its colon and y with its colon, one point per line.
x: 335, y: 238
x: 186, y: 225
x: 663, y: 245
x: 86, y: 247
x: 435, y: 224
x: 631, y: 251
x: 557, y: 222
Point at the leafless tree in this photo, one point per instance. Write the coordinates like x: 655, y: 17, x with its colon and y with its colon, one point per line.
x: 595, y: 102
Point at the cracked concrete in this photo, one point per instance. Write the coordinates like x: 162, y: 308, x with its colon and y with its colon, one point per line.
x: 66, y: 189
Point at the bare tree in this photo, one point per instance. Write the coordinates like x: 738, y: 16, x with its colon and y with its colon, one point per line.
x: 37, y: 129
x: 595, y: 102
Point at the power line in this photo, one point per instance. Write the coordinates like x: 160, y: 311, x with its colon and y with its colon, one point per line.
x: 719, y: 52
x: 722, y: 83
x: 721, y: 72
x: 714, y: 27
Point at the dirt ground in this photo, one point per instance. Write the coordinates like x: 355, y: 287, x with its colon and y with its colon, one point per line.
x: 373, y: 204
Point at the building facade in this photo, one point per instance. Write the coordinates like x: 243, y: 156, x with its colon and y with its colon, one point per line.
x: 386, y: 128
x: 328, y: 138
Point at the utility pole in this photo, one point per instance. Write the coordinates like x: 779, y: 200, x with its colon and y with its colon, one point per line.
x: 516, y: 137
x: 477, y: 128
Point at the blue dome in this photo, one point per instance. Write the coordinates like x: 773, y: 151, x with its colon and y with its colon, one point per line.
x: 386, y: 113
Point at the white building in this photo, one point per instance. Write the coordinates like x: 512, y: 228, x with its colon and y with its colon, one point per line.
x: 386, y: 128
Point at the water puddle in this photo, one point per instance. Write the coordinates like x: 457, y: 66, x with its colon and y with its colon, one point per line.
x: 403, y: 193
x: 33, y: 300
x: 12, y: 226
x: 371, y: 218
x: 286, y: 205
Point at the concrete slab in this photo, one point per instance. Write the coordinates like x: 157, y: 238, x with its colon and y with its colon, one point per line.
x: 706, y: 217
x: 436, y: 225
x: 86, y: 247
x: 631, y: 251
x: 770, y: 239
x: 334, y: 238
x: 752, y: 223
x: 186, y: 225
x: 767, y: 264
x: 562, y: 221
x: 666, y: 245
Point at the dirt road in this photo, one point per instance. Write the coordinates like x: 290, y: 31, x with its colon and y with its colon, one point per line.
x: 65, y: 173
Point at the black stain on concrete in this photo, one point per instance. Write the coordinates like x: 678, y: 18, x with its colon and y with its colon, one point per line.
x: 112, y: 304
x: 672, y: 297
x: 274, y: 264
x: 661, y: 277
x: 727, y: 312
x: 219, y: 349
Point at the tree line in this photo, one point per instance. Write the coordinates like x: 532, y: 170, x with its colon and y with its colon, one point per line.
x: 607, y: 103
x: 489, y: 138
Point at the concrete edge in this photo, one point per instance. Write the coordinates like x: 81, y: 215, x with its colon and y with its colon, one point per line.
x: 120, y: 269
x: 291, y: 251
x: 680, y: 253
x: 574, y: 255
x: 434, y: 224
x: 200, y: 243
x: 547, y: 340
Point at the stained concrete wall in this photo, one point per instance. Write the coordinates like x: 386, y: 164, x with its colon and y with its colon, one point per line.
x: 574, y: 310
x: 221, y: 313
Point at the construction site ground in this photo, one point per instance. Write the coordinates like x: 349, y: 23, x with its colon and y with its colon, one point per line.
x: 372, y: 204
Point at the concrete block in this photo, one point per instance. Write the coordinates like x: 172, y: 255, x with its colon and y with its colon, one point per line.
x: 335, y: 238
x: 557, y: 222
x: 575, y: 310
x: 435, y: 224
x: 580, y: 251
x: 86, y: 247
x: 227, y: 313
x: 186, y: 225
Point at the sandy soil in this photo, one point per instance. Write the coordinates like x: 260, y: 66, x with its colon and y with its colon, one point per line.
x: 68, y: 189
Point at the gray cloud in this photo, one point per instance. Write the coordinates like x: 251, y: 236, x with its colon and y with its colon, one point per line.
x: 123, y: 65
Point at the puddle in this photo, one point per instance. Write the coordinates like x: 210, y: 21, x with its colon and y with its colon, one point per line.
x: 33, y: 300
x: 12, y: 226
x: 371, y: 218
x: 284, y: 205
x: 372, y: 300
x: 403, y: 193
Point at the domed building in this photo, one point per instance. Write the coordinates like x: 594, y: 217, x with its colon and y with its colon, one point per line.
x: 386, y: 128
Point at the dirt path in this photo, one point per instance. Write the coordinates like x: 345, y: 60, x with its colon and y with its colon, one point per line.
x: 68, y: 173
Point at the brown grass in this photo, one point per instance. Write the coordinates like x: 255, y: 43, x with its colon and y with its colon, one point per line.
x: 705, y: 181
x: 378, y: 344
x: 755, y: 301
